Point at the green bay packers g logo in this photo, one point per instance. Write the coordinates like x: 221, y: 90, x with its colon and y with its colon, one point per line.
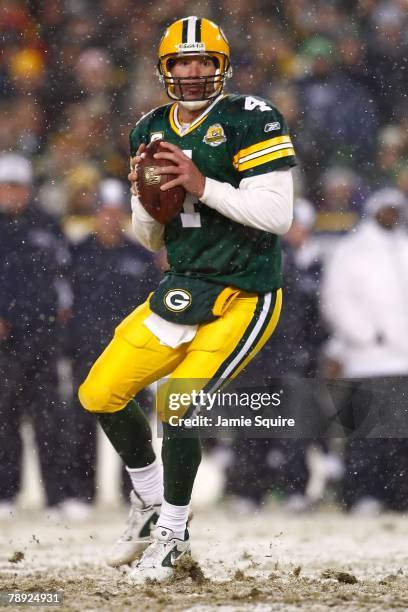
x: 177, y: 300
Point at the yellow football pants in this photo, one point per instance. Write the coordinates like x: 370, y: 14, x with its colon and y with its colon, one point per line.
x: 220, y: 349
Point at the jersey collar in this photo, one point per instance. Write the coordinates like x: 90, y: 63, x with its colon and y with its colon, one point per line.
x: 176, y: 124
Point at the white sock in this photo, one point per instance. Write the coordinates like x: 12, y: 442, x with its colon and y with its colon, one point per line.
x: 148, y: 482
x: 174, y: 518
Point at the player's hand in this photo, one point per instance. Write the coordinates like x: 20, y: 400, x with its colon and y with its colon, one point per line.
x: 187, y: 173
x: 132, y: 176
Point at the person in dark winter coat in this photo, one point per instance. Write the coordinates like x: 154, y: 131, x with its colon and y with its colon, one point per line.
x: 110, y: 276
x: 34, y: 297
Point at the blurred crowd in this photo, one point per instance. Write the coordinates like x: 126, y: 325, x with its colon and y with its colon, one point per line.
x: 75, y: 76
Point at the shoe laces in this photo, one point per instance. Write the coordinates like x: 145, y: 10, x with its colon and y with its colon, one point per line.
x: 158, y: 548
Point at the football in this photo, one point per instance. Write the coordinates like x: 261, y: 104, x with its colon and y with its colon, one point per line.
x: 161, y: 205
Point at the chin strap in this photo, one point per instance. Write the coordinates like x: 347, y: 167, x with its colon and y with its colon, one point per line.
x: 194, y: 105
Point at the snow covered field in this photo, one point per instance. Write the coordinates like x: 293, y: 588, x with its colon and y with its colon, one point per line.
x: 266, y: 561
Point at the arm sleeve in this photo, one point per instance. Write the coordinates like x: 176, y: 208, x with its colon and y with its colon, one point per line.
x: 264, y: 202
x: 149, y: 232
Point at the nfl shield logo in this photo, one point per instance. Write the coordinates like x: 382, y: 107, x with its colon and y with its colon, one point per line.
x: 215, y: 135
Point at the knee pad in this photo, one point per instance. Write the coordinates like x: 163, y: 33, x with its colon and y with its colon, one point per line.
x: 95, y: 398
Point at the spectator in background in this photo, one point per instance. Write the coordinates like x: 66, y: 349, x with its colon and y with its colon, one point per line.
x: 387, y: 52
x: 33, y: 296
x: 286, y: 95
x: 80, y: 188
x: 110, y: 276
x: 352, y: 57
x: 392, y: 144
x: 113, y: 19
x: 27, y: 73
x: 265, y: 465
x: 21, y: 125
x: 339, y: 113
x: 315, y: 18
x: 365, y: 302
x: 83, y: 143
x: 342, y: 194
x: 308, y: 261
x: 401, y: 179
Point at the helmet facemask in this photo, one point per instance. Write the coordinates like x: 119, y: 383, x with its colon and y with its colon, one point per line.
x: 211, y: 86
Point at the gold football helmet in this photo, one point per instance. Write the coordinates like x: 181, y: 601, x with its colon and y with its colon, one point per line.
x: 194, y: 36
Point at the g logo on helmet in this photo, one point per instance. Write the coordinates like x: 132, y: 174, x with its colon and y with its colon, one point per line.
x: 177, y: 300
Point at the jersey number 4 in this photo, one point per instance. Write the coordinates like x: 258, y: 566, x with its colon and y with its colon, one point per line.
x: 252, y: 103
x: 190, y: 217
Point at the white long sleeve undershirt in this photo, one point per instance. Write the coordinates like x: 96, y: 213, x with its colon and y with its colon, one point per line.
x: 149, y: 232
x: 264, y: 202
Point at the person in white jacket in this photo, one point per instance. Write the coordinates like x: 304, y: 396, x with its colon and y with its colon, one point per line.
x: 365, y: 302
x: 365, y: 291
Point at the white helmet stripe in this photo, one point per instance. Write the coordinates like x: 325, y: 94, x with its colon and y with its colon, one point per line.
x: 191, y: 30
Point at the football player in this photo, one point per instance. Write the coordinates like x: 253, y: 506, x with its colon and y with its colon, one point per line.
x: 221, y: 298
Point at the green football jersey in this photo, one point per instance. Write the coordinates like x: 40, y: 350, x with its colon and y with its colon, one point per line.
x: 236, y: 137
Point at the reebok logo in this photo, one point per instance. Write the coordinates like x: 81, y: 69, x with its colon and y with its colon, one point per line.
x: 271, y: 127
